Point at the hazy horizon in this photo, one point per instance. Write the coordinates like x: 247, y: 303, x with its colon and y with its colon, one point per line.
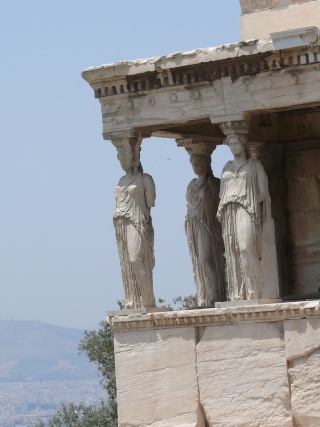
x: 59, y: 261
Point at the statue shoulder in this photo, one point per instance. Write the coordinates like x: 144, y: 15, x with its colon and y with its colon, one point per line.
x: 192, y: 182
x: 148, y: 182
x: 227, y: 166
x: 258, y: 165
x: 213, y: 180
x: 147, y: 178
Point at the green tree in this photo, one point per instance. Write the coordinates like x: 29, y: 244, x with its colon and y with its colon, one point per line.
x: 72, y: 415
x: 98, y: 345
x: 189, y: 302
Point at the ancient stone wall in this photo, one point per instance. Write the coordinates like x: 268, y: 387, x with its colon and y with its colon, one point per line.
x: 252, y: 366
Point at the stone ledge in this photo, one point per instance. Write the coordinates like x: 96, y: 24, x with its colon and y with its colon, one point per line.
x: 217, y: 316
x: 178, y: 59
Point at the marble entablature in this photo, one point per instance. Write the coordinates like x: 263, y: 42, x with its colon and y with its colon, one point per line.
x: 222, y: 84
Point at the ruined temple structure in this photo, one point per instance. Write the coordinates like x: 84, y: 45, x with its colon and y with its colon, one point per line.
x: 242, y: 365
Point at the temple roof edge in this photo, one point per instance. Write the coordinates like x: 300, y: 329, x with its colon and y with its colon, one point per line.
x: 177, y: 59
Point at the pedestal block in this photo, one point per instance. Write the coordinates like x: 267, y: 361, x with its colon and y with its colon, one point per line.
x: 254, y: 366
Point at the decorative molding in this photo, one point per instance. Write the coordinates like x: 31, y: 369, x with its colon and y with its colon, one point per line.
x: 198, y: 145
x: 195, y: 76
x: 235, y: 127
x: 217, y: 316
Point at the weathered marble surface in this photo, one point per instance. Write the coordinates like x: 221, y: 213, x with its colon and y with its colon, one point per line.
x: 157, y: 379
x: 303, y: 210
x: 248, y: 6
x: 177, y: 59
x: 262, y: 17
x: 302, y: 343
x: 304, y: 376
x: 135, y: 196
x: 253, y: 366
x: 302, y: 337
x: 175, y: 99
x: 202, y: 228
x: 247, y: 225
x: 233, y: 363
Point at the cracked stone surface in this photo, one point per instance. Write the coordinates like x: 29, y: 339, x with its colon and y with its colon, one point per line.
x: 304, y: 374
x: 242, y: 372
x: 156, y: 378
x: 236, y: 370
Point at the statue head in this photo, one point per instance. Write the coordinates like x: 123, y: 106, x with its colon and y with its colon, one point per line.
x: 238, y: 142
x: 201, y: 164
x: 128, y: 153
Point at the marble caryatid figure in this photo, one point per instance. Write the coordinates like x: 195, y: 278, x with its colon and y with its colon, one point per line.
x: 202, y: 228
x: 243, y: 211
x: 135, y: 196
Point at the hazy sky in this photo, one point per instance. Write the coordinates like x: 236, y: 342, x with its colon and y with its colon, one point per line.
x: 59, y: 261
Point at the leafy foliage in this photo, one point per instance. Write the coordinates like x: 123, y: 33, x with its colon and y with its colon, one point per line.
x: 180, y: 303
x: 189, y: 301
x: 98, y: 345
x: 71, y: 415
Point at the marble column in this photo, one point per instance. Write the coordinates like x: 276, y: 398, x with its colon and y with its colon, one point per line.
x: 270, y: 155
x: 202, y: 228
x: 135, y: 196
x: 247, y: 223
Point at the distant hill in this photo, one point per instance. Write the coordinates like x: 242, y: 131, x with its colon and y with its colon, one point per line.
x: 36, y: 351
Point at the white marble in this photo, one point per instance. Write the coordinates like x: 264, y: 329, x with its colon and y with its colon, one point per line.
x: 304, y: 376
x: 157, y: 379
x: 235, y: 381
x: 203, y: 230
x: 135, y: 196
x: 219, y: 367
x: 245, y: 215
x: 275, y: 15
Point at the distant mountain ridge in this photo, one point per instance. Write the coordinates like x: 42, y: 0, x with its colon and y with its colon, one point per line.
x: 37, y: 351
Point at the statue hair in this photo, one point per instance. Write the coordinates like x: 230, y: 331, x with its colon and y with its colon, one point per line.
x: 242, y: 138
x: 205, y: 158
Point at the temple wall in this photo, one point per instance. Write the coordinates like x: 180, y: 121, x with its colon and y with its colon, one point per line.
x: 302, y: 170
x: 252, y: 366
x: 258, y: 24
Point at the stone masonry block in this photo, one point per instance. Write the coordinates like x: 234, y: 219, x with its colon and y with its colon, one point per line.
x: 242, y: 376
x: 156, y: 378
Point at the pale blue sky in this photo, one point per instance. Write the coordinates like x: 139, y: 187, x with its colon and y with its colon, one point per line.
x: 58, y: 260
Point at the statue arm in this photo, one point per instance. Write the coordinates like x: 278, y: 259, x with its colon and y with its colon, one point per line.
x: 226, y: 166
x: 262, y: 182
x: 149, y: 190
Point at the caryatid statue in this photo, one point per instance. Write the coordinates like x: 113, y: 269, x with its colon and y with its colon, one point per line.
x: 135, y: 195
x: 245, y: 214
x: 202, y: 228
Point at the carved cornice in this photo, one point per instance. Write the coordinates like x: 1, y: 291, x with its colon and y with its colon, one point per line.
x: 217, y: 316
x: 188, y: 77
x: 147, y: 77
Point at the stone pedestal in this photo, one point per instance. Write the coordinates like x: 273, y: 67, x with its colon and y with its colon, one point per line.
x: 218, y: 367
